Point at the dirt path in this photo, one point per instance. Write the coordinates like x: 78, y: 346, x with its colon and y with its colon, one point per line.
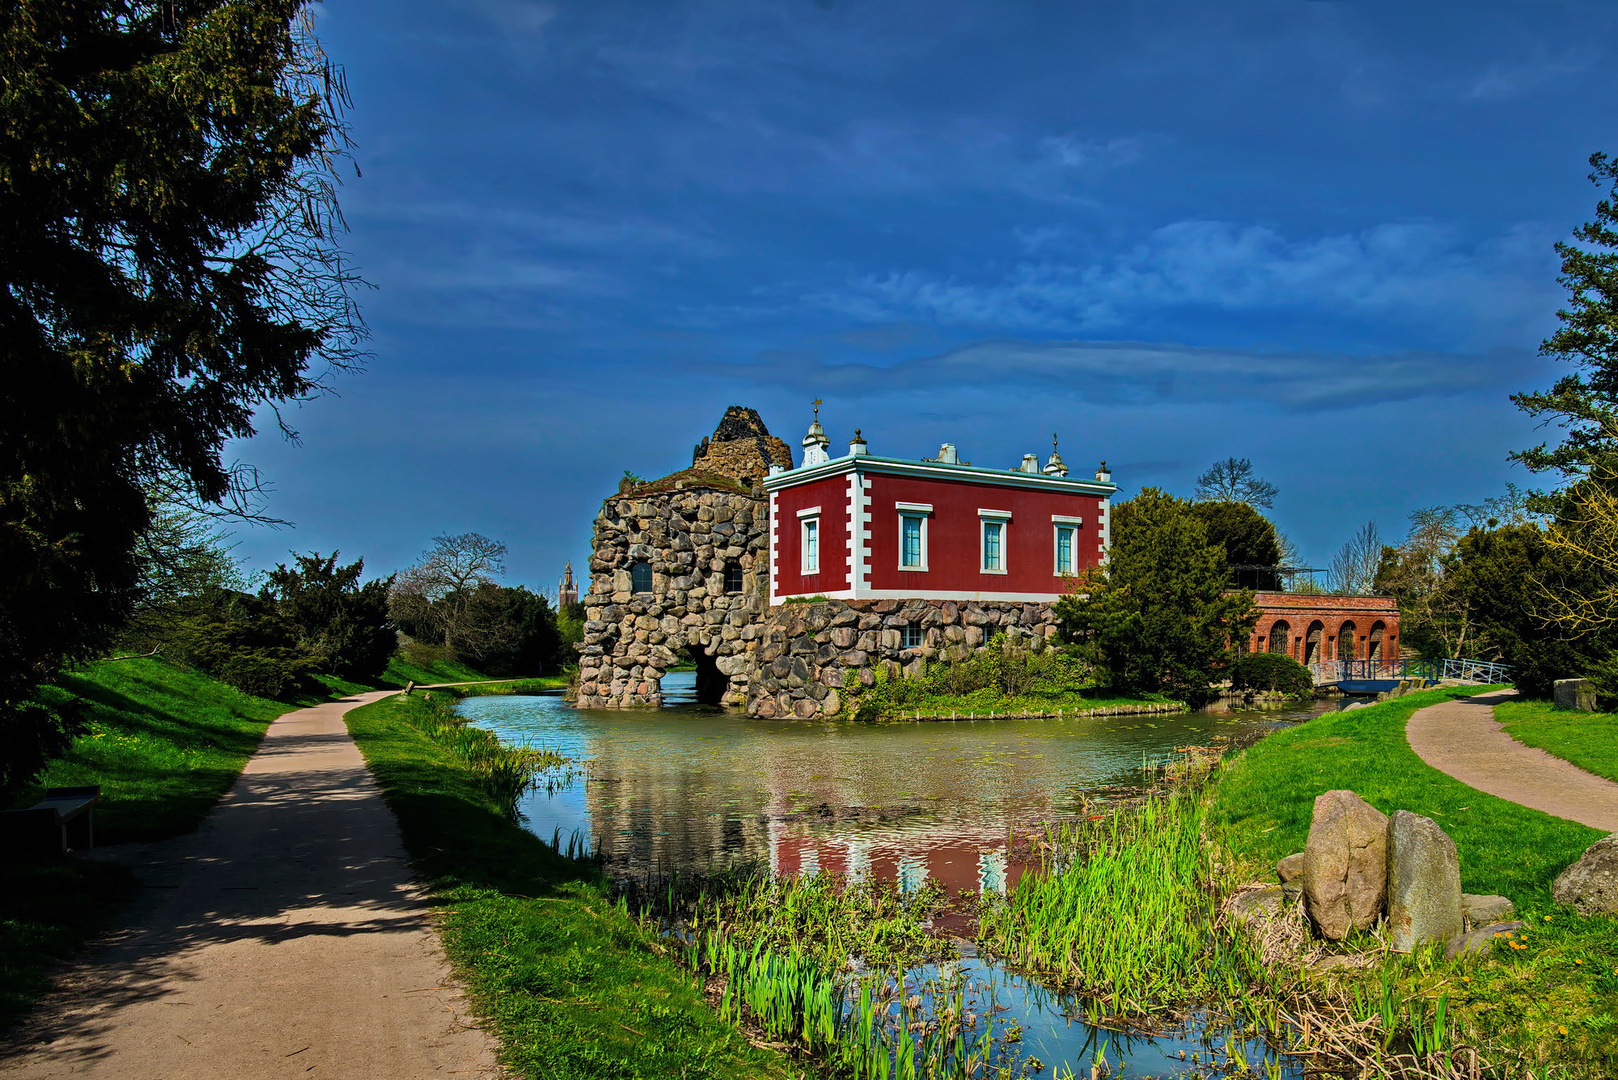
x: 284, y: 938
x: 1463, y: 738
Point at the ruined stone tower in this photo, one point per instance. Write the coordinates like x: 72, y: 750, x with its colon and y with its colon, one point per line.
x: 681, y: 562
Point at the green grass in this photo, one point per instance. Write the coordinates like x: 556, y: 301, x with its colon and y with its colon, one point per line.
x: 163, y: 743
x: 1516, y: 1001
x: 401, y: 671
x: 572, y: 985
x: 1264, y: 800
x: 536, y: 685
x: 1588, y: 740
x: 987, y: 700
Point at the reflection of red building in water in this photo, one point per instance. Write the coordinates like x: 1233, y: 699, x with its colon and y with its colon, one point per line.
x: 1315, y: 628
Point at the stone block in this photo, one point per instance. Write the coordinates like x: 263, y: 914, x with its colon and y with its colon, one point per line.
x: 1424, y: 882
x: 1345, y: 864
x: 1590, y: 885
x: 1577, y: 694
x: 1255, y: 904
x: 1483, y: 910
x: 1480, y: 940
x: 1289, y: 867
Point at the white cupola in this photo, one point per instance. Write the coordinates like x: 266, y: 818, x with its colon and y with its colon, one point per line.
x: 815, y: 444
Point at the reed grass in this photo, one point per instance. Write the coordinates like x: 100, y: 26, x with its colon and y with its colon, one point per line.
x: 1124, y: 909
x: 504, y: 772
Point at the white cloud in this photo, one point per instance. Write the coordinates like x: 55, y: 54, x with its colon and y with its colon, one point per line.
x: 1154, y: 374
x: 519, y: 18
x: 1390, y: 272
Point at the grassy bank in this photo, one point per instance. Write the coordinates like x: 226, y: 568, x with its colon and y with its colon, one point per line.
x: 164, y: 743
x: 572, y: 985
x: 990, y: 702
x: 1547, y: 1002
x: 1588, y: 740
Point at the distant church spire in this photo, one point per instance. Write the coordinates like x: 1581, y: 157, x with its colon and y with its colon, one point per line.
x: 568, y: 593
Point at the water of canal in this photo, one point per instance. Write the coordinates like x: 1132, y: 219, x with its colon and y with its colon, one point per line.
x: 692, y: 786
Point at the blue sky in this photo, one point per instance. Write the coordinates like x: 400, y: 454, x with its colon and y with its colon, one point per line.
x: 1317, y: 235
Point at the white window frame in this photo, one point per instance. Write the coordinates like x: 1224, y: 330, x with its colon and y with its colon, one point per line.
x: 808, y: 520
x: 1002, y: 518
x: 1058, y: 523
x: 920, y: 512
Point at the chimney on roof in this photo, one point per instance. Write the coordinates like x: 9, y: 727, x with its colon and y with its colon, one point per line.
x: 1030, y: 463
x: 1104, y: 474
x: 857, y: 446
x: 947, y: 455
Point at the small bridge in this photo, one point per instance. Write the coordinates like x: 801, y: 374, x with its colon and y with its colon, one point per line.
x: 1375, y: 676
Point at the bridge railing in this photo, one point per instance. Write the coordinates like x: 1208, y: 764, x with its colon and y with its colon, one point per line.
x: 1478, y: 671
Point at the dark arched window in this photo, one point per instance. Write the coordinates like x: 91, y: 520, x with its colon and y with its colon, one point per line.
x: 1311, y: 641
x: 1347, y: 647
x: 1373, y: 647
x: 733, y: 577
x: 1281, y: 637
x: 641, y: 577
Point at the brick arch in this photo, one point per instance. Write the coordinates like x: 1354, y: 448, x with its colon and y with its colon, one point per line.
x: 1347, y: 643
x: 1313, y: 640
x: 1282, y: 629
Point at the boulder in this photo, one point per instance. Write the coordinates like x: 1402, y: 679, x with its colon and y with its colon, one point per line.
x: 1345, y: 864
x: 1424, y: 882
x: 1289, y: 867
x: 1577, y: 694
x: 1483, y: 910
x: 1590, y: 886
x: 1253, y: 904
x: 1476, y: 941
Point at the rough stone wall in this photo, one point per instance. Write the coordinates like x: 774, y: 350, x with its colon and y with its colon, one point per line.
x: 688, y: 537
x: 808, y: 656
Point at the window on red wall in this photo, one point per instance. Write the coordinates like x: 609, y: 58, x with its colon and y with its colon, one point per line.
x: 811, y: 544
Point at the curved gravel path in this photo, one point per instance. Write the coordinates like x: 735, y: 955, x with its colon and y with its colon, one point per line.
x: 1463, y: 739
x: 284, y: 938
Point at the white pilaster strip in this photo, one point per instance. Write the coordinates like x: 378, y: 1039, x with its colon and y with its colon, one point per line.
x: 775, y: 544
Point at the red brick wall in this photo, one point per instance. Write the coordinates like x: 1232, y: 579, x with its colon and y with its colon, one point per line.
x: 1333, y: 619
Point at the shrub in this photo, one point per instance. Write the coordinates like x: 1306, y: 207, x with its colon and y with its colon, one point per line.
x: 1271, y: 672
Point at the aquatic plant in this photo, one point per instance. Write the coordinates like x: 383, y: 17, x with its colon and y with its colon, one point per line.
x: 504, y: 772
x: 1125, y: 910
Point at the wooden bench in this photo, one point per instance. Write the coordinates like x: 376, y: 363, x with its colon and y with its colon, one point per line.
x: 63, y: 820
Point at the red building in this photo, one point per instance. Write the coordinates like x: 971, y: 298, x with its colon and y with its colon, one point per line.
x: 867, y: 527
x: 1312, y: 628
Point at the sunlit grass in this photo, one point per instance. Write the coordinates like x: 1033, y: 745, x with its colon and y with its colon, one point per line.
x: 1588, y: 740
x: 572, y: 984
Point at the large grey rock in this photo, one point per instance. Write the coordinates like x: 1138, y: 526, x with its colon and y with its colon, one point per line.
x: 1577, y: 694
x: 1345, y: 864
x: 1482, y: 910
x: 1476, y: 941
x: 1590, y: 886
x: 1424, y: 882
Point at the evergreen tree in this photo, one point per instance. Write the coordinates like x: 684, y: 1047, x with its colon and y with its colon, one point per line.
x: 1586, y: 401
x: 1251, y: 545
x: 167, y: 268
x: 1160, y: 615
x: 340, y: 621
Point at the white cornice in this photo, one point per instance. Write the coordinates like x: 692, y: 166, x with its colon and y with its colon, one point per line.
x: 934, y: 470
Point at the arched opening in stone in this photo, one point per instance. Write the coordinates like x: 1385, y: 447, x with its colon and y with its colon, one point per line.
x: 733, y: 577
x: 1346, y: 642
x: 1311, y: 641
x: 1281, y: 637
x: 1373, y: 647
x: 640, y: 577
x: 711, y: 682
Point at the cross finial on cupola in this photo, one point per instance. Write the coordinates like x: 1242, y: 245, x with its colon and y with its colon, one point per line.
x: 1055, y: 466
